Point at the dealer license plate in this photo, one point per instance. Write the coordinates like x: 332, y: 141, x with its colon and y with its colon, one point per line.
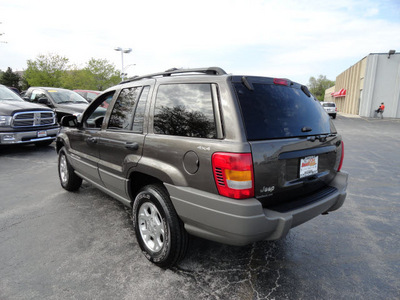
x: 308, y: 166
x: 42, y: 133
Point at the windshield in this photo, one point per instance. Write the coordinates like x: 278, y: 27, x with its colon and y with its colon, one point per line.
x: 273, y: 111
x: 7, y: 94
x: 66, y: 96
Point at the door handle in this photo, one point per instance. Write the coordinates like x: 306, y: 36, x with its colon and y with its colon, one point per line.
x: 132, y: 146
x: 92, y: 140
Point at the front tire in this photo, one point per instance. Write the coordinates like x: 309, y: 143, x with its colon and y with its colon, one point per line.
x: 68, y: 179
x: 158, y: 229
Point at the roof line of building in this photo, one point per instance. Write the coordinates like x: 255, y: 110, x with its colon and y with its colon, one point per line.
x: 384, y: 53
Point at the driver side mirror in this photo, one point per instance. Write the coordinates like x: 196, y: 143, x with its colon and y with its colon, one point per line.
x: 43, y: 100
x: 69, y: 121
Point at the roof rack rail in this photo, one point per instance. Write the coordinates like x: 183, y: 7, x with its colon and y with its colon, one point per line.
x: 169, y: 72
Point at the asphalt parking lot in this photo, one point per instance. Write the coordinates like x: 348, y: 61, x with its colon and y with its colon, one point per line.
x: 60, y: 245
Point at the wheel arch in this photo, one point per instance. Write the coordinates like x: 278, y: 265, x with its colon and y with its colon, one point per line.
x: 62, y: 141
x: 138, y: 180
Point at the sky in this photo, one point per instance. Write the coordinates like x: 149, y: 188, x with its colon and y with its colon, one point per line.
x: 274, y: 38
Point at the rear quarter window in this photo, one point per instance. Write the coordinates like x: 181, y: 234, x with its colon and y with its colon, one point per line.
x: 185, y: 110
x: 277, y: 111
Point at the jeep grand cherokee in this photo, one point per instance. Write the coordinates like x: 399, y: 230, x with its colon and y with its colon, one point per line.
x: 233, y: 159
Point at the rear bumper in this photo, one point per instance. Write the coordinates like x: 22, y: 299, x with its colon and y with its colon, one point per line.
x: 22, y: 137
x: 240, y: 222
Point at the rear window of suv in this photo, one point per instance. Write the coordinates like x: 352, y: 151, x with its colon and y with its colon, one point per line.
x: 273, y: 111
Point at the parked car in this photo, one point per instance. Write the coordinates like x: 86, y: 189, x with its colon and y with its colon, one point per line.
x: 15, y: 90
x: 330, y: 108
x: 233, y: 159
x: 89, y: 95
x: 22, y: 122
x: 62, y: 101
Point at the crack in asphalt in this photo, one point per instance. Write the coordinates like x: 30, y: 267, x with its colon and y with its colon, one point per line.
x: 215, y: 283
x: 25, y: 219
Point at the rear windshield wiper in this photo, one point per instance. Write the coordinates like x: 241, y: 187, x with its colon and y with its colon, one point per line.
x: 247, y: 84
x: 320, y: 137
x: 305, y: 90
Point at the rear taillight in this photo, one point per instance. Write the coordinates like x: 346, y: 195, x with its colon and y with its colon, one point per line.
x: 233, y: 174
x: 341, y: 158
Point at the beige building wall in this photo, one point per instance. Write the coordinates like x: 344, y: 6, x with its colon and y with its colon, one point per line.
x: 328, y: 94
x: 353, y: 81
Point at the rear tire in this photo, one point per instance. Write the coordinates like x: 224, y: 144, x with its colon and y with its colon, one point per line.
x: 159, y: 231
x: 68, y: 179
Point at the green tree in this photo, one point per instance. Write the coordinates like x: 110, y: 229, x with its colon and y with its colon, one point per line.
x: 98, y: 74
x: 318, y: 86
x: 46, y: 70
x: 78, y: 79
x: 9, y: 78
x: 103, y: 74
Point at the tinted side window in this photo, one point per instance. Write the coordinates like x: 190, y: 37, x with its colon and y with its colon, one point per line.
x: 140, y: 109
x: 124, y: 108
x: 96, y: 117
x: 185, y: 110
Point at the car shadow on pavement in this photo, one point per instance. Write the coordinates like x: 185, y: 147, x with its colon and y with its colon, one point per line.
x: 25, y: 149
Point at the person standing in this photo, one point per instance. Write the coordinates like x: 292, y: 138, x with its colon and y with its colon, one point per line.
x: 380, y: 110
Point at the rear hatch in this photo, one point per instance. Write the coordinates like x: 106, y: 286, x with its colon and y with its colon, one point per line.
x: 295, y: 147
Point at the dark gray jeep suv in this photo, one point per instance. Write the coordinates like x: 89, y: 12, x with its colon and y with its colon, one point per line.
x: 233, y: 159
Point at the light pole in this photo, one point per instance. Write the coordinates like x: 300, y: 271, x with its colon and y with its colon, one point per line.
x: 126, y: 50
x: 127, y: 67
